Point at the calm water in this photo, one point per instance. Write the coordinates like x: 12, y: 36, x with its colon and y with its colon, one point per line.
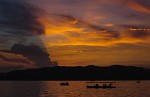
x: 76, y: 89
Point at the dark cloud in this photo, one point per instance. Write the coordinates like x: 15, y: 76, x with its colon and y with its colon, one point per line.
x: 18, y: 21
x: 33, y: 53
x: 144, y: 3
x: 80, y: 22
x: 19, y: 18
x: 14, y: 60
x: 73, y: 1
x: 133, y: 26
x: 2, y: 40
x: 139, y: 34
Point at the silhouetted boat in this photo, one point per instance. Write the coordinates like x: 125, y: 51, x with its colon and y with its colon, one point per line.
x: 64, y: 84
x: 138, y: 81
x: 100, y: 82
x: 104, y: 86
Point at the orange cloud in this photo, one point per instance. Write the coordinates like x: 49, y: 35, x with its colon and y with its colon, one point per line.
x: 67, y: 30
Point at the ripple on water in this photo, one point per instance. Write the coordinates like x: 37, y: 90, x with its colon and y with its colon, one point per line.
x: 76, y: 89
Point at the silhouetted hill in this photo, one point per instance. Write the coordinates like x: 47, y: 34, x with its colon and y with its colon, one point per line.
x: 114, y: 72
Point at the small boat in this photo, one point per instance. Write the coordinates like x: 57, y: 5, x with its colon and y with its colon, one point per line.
x: 64, y: 84
x: 104, y: 86
x: 138, y: 81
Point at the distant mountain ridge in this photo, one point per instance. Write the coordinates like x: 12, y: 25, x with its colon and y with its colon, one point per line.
x: 91, y: 72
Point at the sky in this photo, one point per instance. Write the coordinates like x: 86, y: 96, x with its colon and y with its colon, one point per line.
x: 74, y: 32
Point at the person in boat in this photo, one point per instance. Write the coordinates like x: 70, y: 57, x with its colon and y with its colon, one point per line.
x: 110, y: 85
x: 97, y: 85
x: 104, y: 85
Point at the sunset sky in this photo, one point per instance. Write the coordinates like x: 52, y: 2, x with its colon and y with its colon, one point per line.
x: 76, y: 32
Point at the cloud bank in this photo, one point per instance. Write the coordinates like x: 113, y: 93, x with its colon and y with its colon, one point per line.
x: 19, y: 17
x: 33, y: 53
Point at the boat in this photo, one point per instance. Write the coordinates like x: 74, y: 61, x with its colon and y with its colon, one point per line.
x: 64, y: 83
x: 104, y: 86
x: 138, y: 81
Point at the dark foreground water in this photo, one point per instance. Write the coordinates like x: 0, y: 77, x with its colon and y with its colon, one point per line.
x: 76, y: 89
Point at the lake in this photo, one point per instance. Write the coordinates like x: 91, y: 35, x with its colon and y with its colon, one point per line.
x: 76, y: 89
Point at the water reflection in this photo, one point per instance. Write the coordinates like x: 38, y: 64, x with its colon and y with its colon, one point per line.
x: 21, y: 89
x: 76, y: 89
